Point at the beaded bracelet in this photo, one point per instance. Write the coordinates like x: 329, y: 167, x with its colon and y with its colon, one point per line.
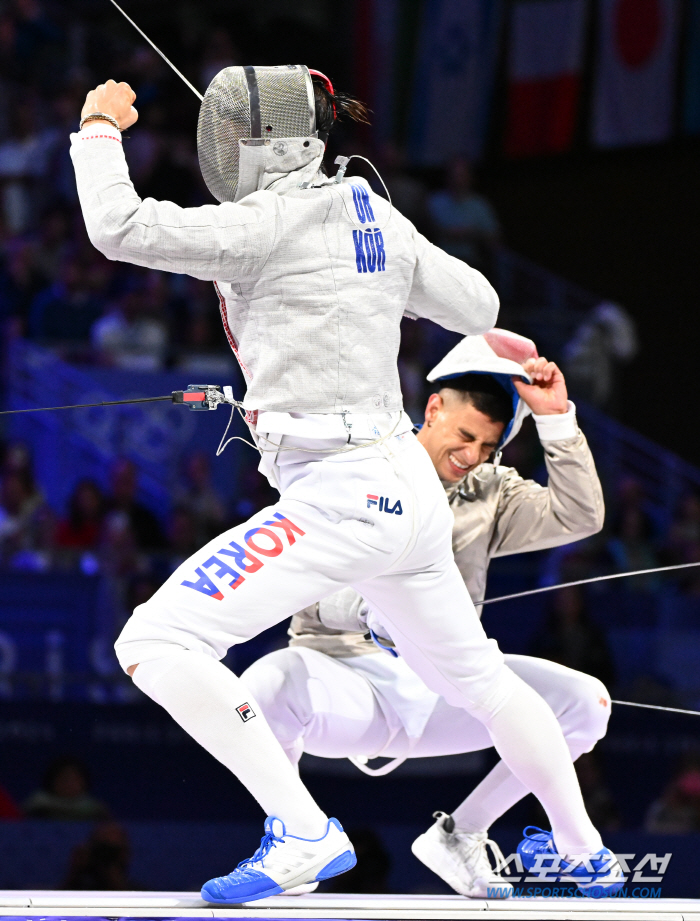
x: 95, y: 115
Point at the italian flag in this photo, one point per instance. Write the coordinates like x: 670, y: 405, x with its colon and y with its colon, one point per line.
x: 545, y: 56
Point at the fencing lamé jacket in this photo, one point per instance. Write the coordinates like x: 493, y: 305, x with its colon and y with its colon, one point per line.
x: 496, y: 513
x: 313, y: 276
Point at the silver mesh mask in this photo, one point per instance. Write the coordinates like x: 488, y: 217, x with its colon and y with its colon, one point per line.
x: 254, y: 106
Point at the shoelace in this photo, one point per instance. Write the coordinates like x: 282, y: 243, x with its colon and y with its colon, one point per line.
x: 481, y: 845
x: 267, y: 842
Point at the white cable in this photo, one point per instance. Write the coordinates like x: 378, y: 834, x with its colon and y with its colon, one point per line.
x: 280, y: 447
x: 340, y: 175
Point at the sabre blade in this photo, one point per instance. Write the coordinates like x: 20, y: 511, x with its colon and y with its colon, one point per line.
x: 157, y: 49
x: 614, y: 575
x: 629, y: 703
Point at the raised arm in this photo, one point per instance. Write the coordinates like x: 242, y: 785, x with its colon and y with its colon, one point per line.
x: 570, y: 507
x: 212, y: 242
x: 450, y: 292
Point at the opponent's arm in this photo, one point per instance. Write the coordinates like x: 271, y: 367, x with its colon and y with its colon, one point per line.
x: 570, y: 507
x: 450, y: 292
x: 211, y: 242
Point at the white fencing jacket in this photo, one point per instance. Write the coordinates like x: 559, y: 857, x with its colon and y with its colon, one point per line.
x: 313, y: 282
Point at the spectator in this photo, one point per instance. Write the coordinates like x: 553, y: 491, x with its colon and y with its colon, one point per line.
x: 571, y: 638
x: 65, y: 311
x: 597, y: 798
x: 24, y: 160
x: 631, y: 548
x: 606, y: 340
x: 21, y: 519
x: 80, y: 530
x: 631, y: 545
x: 220, y: 52
x: 203, y: 355
x: 141, y: 522
x: 9, y: 810
x: 102, y: 863
x: 201, y: 500
x: 52, y: 248
x: 464, y: 223
x: 132, y: 334
x: 408, y: 195
x: 183, y: 535
x: 677, y: 811
x: 65, y: 794
x: 683, y: 540
x: 682, y: 544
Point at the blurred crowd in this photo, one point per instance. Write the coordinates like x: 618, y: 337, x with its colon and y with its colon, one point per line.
x: 59, y: 292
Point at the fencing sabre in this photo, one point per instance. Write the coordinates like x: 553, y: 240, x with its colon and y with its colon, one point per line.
x: 616, y: 575
x: 158, y: 51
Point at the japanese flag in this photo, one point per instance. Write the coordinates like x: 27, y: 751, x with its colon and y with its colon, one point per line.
x: 634, y: 83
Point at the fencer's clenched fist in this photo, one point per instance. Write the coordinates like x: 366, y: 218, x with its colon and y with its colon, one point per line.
x: 547, y: 392
x: 115, y: 99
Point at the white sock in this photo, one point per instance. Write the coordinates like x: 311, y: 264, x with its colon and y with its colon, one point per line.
x: 498, y: 792
x: 202, y: 695
x: 530, y: 741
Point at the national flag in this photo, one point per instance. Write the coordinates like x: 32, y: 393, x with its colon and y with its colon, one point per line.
x: 636, y: 69
x: 454, y: 79
x: 545, y: 57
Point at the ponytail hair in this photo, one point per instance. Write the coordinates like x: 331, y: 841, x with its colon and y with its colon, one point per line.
x: 331, y: 107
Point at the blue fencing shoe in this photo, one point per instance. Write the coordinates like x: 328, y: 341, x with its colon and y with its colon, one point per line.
x: 596, y: 875
x: 283, y: 862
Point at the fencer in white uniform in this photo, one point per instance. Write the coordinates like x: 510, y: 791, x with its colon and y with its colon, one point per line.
x: 314, y: 275
x: 332, y: 692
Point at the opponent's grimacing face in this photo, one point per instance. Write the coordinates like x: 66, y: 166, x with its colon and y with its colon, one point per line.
x: 457, y: 436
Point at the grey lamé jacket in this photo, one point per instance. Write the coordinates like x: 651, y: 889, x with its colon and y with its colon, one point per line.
x: 496, y: 512
x: 313, y: 276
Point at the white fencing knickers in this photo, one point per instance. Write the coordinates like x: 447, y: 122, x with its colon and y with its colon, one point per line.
x: 364, y: 706
x: 376, y: 518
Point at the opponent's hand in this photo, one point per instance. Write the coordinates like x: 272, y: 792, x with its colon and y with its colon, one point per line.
x: 115, y: 99
x: 547, y: 392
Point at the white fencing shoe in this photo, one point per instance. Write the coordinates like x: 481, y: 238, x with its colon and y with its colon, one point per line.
x: 283, y: 862
x: 462, y: 860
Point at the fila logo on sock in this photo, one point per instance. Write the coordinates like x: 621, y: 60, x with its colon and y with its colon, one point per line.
x: 246, y: 712
x: 385, y: 505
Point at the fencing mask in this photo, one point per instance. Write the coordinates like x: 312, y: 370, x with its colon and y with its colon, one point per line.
x: 256, y: 124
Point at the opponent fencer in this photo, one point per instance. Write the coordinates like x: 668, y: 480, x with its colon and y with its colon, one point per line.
x: 333, y: 693
x: 313, y: 275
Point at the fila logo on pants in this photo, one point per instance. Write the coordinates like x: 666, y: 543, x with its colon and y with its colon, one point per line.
x: 370, y: 255
x: 385, y: 505
x: 263, y: 540
x: 245, y: 711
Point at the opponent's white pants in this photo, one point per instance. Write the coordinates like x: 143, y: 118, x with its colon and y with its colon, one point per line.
x: 336, y: 708
x: 332, y: 708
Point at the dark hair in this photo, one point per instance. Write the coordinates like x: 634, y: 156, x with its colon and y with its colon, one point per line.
x: 484, y: 393
x: 344, y: 105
